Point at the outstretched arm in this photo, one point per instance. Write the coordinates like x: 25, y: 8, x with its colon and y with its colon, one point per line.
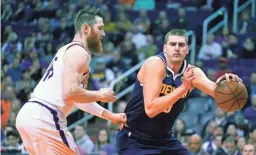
x: 97, y: 110
x: 207, y: 86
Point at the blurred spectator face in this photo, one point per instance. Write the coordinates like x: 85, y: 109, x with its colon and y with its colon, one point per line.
x: 181, y: 12
x: 249, y: 44
x: 79, y: 132
x: 232, y: 131
x: 211, y: 127
x: 16, y: 63
x: 162, y: 15
x: 217, y: 141
x: 9, y: 93
x: 165, y: 24
x: 218, y: 131
x: 109, y: 47
x: 7, y: 81
x: 254, y: 100
x: 103, y: 136
x: 122, y: 17
x: 219, y: 113
x: 225, y: 31
x: 253, y: 78
x: 249, y: 150
x: 107, y: 17
x: 210, y: 38
x: 195, y: 143
x: 100, y: 66
x: 72, y: 8
x: 16, y: 105
x: 179, y: 126
x: 245, y: 15
x: 241, y: 143
x: 253, y: 135
x: 150, y: 39
x: 12, y: 140
x: 8, y: 29
x: 232, y: 40
x: 143, y: 13
x: 230, y: 146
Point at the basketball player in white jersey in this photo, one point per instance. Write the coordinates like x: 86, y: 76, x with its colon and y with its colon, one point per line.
x: 41, y: 122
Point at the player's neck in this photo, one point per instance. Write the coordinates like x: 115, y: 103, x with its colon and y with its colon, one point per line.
x: 175, y: 67
x: 79, y: 38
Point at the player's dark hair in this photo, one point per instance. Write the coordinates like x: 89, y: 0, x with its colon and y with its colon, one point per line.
x: 176, y: 32
x: 86, y: 16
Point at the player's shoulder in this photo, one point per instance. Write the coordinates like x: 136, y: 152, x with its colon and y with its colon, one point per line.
x: 77, y: 50
x: 154, y: 60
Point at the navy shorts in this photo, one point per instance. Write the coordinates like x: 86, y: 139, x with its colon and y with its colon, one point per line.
x: 129, y: 144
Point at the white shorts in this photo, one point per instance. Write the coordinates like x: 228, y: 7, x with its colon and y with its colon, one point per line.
x: 43, y: 130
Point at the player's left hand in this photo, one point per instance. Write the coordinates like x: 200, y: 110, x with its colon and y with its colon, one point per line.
x: 229, y: 77
x: 120, y: 119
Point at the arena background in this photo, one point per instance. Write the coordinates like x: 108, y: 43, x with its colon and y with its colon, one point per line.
x: 221, y: 34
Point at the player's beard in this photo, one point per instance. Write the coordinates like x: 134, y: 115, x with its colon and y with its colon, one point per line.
x: 94, y: 43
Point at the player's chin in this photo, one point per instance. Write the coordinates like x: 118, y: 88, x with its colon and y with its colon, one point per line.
x: 177, y: 59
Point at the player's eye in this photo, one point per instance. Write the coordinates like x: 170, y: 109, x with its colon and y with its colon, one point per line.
x: 173, y: 44
x: 181, y: 44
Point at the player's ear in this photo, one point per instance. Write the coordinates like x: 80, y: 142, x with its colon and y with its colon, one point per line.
x: 86, y: 28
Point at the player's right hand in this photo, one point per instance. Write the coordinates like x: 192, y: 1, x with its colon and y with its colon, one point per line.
x: 107, y: 95
x: 188, y: 77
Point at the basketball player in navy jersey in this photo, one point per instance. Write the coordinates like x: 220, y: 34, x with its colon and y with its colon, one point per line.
x: 161, y: 89
x: 42, y: 122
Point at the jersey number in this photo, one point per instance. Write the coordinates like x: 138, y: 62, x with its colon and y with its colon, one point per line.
x: 49, y: 72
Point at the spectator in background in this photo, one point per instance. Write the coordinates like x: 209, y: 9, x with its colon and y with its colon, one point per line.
x: 252, y: 86
x: 249, y: 149
x: 228, y: 146
x: 147, y: 50
x: 181, y: 22
x: 241, y: 142
x: 138, y: 38
x: 83, y: 141
x: 179, y: 129
x: 121, y: 105
x: 249, y: 49
x: 211, y: 146
x: 250, y: 112
x: 143, y: 22
x: 103, y: 144
x: 6, y: 102
x: 7, y: 13
x: 195, y: 145
x: 211, y: 50
x: 15, y: 70
x: 12, y: 45
x: 161, y: 17
x: 223, y: 67
x: 123, y: 23
x: 231, y: 130
x: 252, y: 136
x: 246, y: 24
x: 101, y: 76
x: 109, y: 25
x: 11, y: 144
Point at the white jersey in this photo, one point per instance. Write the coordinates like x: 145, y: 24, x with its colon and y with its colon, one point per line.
x: 49, y: 89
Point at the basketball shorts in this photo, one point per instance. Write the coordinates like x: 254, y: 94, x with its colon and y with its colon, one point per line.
x: 43, y: 130
x: 129, y: 144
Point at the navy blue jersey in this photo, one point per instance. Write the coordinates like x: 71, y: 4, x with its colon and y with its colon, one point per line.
x: 159, y: 127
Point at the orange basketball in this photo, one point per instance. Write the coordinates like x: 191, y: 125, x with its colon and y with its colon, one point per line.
x: 230, y: 96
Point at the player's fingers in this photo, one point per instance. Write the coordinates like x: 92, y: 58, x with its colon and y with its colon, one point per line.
x: 227, y: 77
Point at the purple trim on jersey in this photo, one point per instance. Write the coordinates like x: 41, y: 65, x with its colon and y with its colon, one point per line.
x: 55, y: 119
x: 79, y: 44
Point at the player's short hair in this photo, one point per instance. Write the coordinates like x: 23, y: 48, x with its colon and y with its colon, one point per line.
x: 176, y: 32
x: 86, y: 16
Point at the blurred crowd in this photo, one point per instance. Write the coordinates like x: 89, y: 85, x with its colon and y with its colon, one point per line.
x: 33, y: 30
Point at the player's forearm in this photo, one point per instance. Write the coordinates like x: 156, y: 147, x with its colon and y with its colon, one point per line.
x: 81, y: 95
x: 202, y: 83
x: 162, y: 103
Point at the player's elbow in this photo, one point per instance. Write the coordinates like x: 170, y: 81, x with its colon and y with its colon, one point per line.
x: 67, y: 94
x: 150, y: 113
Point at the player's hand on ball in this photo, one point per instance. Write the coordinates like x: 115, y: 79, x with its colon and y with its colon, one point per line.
x: 188, y: 77
x: 107, y: 95
x: 229, y: 77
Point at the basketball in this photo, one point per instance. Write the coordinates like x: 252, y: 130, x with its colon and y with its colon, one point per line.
x: 230, y: 96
